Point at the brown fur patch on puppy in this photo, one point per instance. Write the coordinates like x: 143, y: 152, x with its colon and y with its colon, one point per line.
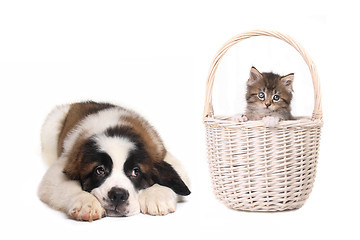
x: 151, y: 140
x: 77, y: 112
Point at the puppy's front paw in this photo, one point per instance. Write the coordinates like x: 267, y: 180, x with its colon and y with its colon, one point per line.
x: 239, y: 118
x: 157, y: 200
x: 270, y: 121
x: 86, y: 207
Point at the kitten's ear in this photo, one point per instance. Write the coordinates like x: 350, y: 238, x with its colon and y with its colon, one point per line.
x: 255, y: 76
x: 288, y: 81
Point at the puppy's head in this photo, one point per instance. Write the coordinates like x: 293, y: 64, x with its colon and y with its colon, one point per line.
x: 114, y: 167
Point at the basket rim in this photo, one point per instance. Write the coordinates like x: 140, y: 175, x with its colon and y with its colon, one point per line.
x: 225, y: 121
x: 208, y: 108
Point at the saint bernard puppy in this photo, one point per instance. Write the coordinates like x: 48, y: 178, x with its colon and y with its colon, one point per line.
x: 107, y: 161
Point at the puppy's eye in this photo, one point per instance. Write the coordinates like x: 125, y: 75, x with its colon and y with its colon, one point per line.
x: 135, y: 172
x: 261, y: 95
x: 276, y: 98
x: 100, y: 170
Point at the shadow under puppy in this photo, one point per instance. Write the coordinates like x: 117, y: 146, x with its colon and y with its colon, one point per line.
x: 107, y: 161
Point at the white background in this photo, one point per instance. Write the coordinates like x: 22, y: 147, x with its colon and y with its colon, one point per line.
x: 154, y: 56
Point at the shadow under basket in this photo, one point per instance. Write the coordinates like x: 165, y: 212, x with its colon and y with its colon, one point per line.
x: 257, y: 168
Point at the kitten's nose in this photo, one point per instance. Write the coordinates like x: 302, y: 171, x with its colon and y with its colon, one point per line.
x: 267, y: 104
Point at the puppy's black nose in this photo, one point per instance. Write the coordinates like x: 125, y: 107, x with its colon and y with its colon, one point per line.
x: 118, y: 195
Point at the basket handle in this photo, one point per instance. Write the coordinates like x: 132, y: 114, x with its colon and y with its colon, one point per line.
x: 208, y: 109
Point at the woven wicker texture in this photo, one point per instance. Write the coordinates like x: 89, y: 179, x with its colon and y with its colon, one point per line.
x: 255, y: 168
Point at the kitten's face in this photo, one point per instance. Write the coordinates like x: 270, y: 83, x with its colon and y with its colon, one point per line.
x: 269, y: 92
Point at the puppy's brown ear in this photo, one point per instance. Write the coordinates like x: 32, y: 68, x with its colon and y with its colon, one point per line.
x: 71, y: 170
x: 165, y: 174
x: 72, y: 167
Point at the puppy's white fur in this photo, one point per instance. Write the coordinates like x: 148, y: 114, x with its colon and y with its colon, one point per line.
x: 118, y: 149
x: 50, y: 132
x: 57, y: 190
x: 66, y: 195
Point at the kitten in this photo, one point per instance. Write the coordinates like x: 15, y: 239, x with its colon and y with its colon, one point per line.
x: 268, y: 98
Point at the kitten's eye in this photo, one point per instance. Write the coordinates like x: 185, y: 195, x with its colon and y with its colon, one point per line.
x: 100, y: 170
x: 135, y: 172
x: 276, y: 98
x: 261, y: 95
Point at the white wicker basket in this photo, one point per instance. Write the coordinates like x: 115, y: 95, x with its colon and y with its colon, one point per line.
x: 255, y: 168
